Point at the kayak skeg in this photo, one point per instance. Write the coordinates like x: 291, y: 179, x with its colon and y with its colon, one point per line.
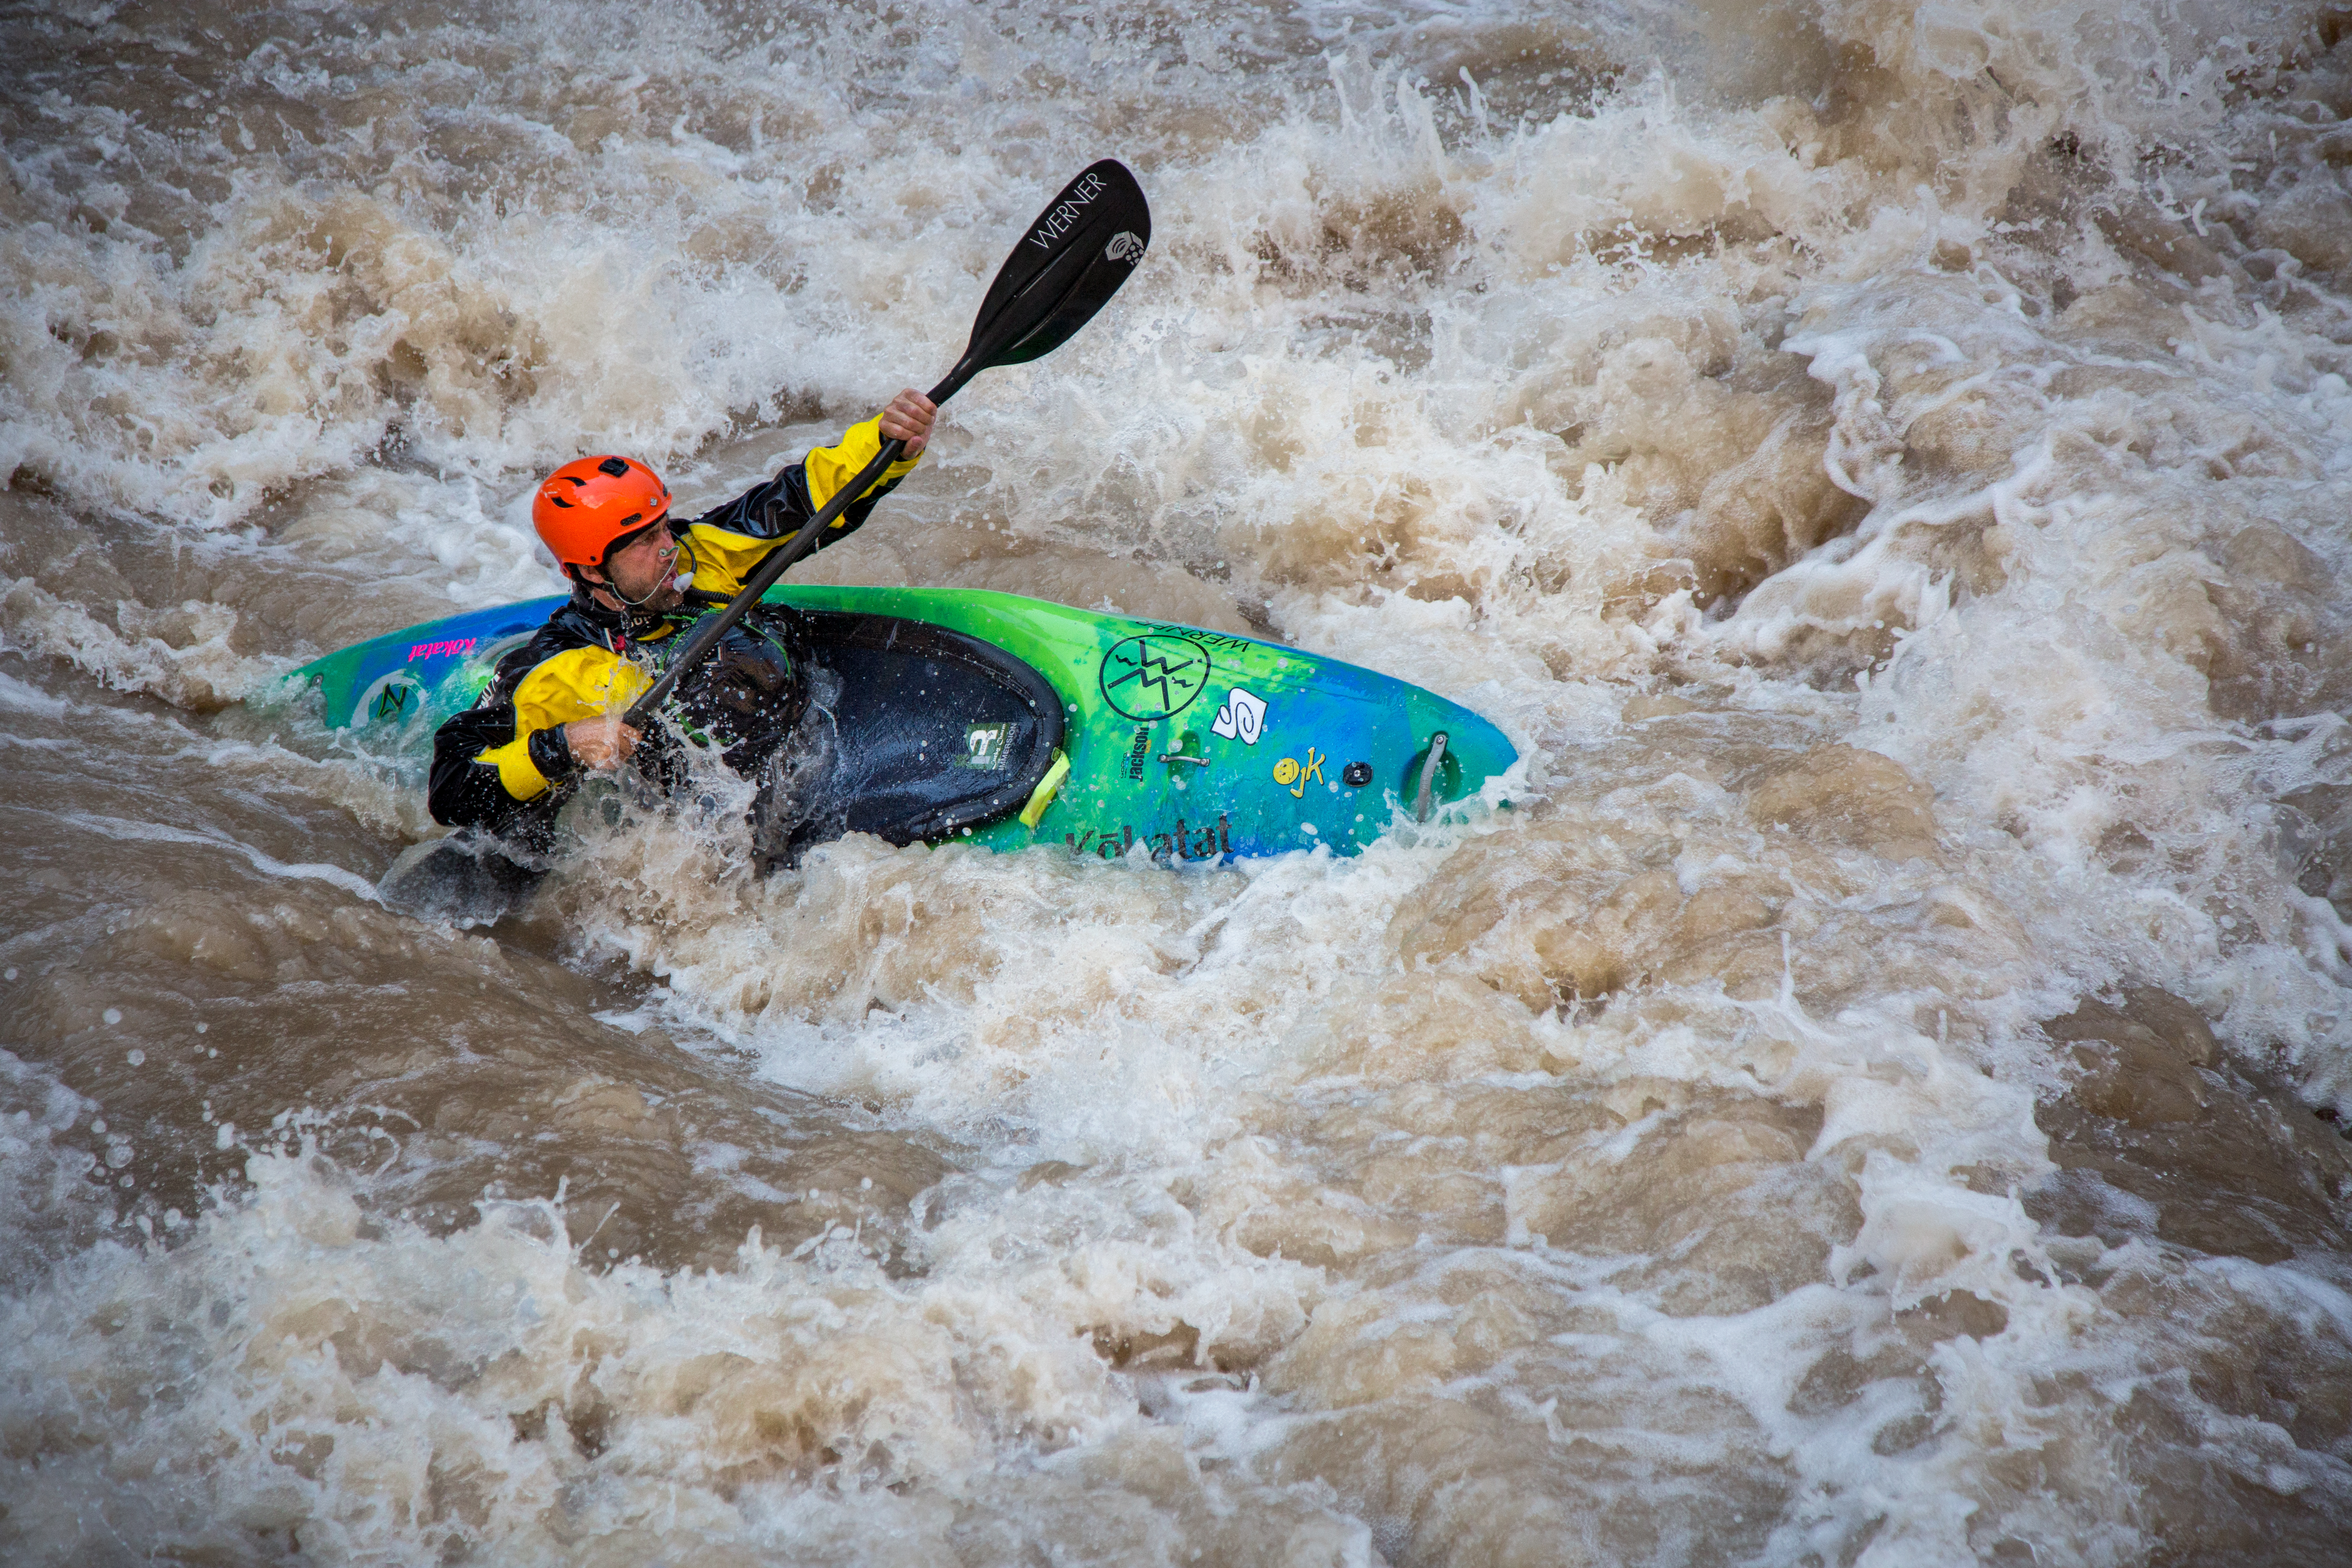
x: 949, y: 714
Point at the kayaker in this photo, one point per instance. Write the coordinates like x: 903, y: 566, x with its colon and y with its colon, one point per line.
x: 551, y: 711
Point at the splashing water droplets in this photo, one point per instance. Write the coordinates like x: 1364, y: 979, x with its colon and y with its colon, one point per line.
x: 1861, y: 1101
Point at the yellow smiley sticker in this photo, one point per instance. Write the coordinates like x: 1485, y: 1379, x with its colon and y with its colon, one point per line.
x: 1312, y: 772
x: 1285, y: 771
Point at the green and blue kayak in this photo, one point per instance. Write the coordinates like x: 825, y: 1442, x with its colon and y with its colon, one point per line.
x: 989, y: 719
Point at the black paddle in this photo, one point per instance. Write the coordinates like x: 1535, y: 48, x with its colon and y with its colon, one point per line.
x: 1087, y: 242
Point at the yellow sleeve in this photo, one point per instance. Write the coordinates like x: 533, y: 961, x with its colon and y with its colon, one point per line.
x: 723, y: 558
x: 830, y: 468
x: 578, y: 683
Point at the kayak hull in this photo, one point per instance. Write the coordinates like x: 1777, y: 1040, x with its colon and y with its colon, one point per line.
x: 1195, y: 745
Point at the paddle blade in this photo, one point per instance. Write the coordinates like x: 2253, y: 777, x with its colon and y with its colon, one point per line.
x: 1088, y: 241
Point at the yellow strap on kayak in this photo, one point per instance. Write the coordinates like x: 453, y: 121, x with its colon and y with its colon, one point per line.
x: 1048, y: 788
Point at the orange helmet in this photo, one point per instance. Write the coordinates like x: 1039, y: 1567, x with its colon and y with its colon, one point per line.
x: 586, y: 505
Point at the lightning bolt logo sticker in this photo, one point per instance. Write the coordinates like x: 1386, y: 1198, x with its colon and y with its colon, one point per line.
x: 1155, y: 676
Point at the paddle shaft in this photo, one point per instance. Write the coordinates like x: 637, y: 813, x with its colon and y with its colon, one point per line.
x: 778, y: 561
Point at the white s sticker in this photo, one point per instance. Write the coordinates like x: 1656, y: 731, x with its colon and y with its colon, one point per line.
x: 1243, y: 718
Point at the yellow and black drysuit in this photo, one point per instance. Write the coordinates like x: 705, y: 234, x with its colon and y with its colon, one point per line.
x: 504, y: 765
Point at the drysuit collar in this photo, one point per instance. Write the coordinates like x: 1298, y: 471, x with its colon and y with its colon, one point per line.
x: 622, y: 626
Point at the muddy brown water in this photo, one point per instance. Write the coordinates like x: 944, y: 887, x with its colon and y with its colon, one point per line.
x: 1875, y: 1096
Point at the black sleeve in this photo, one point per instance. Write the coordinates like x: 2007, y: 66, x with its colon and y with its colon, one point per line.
x: 777, y: 508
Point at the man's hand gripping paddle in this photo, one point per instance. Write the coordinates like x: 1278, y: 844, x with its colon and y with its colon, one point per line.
x: 1087, y: 242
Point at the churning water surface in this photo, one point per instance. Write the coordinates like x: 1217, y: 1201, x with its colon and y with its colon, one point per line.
x: 1871, y: 1102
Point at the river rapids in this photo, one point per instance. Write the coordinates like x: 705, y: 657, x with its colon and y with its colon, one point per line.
x: 1871, y: 1098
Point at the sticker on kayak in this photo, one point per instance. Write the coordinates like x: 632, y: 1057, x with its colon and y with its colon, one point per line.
x: 1155, y: 676
x: 1291, y: 776
x: 986, y: 746
x: 1243, y: 718
x: 395, y: 697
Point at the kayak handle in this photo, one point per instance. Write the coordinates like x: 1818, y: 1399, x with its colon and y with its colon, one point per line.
x: 1428, y: 776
